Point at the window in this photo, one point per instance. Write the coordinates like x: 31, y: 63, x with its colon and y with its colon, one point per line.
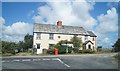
x: 89, y: 46
x: 86, y: 38
x: 38, y: 36
x: 38, y: 46
x: 51, y: 36
x: 51, y: 45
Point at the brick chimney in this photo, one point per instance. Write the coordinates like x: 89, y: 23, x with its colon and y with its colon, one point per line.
x: 59, y: 24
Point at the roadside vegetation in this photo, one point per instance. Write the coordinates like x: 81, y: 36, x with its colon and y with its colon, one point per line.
x: 12, y: 48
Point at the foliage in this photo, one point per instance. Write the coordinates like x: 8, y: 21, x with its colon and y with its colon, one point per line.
x: 116, y: 46
x: 76, y: 50
x: 77, y: 43
x: 50, y: 51
x: 70, y: 49
x: 28, y: 41
x: 61, y: 49
x: 86, y: 51
x: 64, y: 42
x: 9, y: 47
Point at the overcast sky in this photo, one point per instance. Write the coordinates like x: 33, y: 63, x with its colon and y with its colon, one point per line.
x: 18, y: 18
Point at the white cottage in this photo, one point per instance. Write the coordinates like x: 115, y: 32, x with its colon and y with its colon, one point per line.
x: 47, y: 35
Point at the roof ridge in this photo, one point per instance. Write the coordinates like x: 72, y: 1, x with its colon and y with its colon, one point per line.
x: 56, y: 25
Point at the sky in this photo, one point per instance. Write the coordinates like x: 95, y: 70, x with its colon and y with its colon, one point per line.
x: 18, y: 18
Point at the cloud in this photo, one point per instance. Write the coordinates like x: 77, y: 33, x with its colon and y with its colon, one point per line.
x: 78, y: 14
x: 107, y: 28
x: 16, y: 31
x: 2, y: 20
x: 108, y: 22
x: 71, y: 13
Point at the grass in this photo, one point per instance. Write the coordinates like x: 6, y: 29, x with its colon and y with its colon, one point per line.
x: 31, y: 54
x: 7, y: 54
x: 102, y: 52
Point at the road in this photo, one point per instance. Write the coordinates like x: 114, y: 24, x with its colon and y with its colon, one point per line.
x: 84, y: 61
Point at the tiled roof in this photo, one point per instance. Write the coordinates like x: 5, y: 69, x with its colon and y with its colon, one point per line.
x: 49, y: 28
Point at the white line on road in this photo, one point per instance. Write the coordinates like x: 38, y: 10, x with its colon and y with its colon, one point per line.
x: 62, y: 62
x: 26, y: 60
x: 54, y: 59
x: 36, y: 59
x: 5, y: 61
x: 46, y: 59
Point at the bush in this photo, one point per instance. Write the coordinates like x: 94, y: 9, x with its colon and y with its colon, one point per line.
x: 76, y: 50
x: 86, y: 51
x: 61, y: 49
x: 50, y: 51
x: 70, y: 49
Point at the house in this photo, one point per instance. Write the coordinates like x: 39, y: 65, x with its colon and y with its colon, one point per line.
x: 47, y: 35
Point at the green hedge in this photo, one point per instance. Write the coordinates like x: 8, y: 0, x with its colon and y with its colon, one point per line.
x: 86, y: 51
x: 61, y: 49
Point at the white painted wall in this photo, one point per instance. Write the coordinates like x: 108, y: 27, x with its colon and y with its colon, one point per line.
x: 45, y: 41
x: 89, y: 43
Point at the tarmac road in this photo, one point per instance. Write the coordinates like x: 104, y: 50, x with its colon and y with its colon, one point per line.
x: 84, y: 61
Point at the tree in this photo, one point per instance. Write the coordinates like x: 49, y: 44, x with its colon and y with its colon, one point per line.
x: 116, y: 46
x: 21, y: 46
x: 9, y: 47
x: 28, y: 42
x: 77, y: 43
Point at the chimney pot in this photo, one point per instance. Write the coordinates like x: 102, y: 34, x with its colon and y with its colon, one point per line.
x: 59, y: 24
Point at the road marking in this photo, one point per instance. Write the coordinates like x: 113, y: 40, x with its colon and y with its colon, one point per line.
x: 62, y: 62
x: 46, y: 59
x: 26, y: 60
x: 5, y: 61
x: 16, y: 60
x: 54, y: 59
x: 36, y: 59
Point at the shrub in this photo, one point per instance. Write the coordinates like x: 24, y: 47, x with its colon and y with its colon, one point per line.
x: 81, y: 51
x: 76, y: 50
x: 50, y: 51
x: 70, y: 49
x: 86, y: 51
x: 62, y: 49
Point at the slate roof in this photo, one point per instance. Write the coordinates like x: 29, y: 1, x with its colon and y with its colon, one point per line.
x: 87, y: 42
x: 49, y: 28
x: 91, y: 34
